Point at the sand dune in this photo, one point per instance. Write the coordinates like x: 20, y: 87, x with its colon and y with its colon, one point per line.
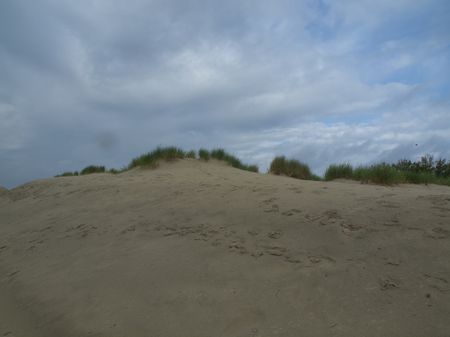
x: 201, y: 249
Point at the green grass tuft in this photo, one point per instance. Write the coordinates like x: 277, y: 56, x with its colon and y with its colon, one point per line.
x: 336, y: 171
x: 92, y: 169
x: 204, y: 154
x: 221, y: 154
x: 425, y: 171
x: 252, y: 168
x: 160, y: 153
x: 386, y: 174
x: 191, y: 154
x: 67, y: 174
x: 291, y: 168
x: 382, y: 174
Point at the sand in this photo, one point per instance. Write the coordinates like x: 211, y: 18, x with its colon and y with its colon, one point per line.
x: 201, y: 249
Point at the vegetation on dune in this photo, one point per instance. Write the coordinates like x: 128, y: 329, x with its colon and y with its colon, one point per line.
x: 150, y: 159
x: 291, y: 168
x: 191, y: 154
x: 424, y: 171
x: 170, y: 153
x: 87, y: 170
x: 383, y: 174
x: 92, y: 169
x: 221, y: 154
x: 335, y: 171
x: 67, y: 174
x: 204, y: 154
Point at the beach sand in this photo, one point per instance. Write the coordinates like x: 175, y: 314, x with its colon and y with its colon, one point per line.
x: 202, y: 249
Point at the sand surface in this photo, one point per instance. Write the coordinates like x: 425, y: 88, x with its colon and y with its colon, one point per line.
x: 201, y: 249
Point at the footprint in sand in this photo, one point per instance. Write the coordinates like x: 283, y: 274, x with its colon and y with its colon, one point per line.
x: 297, y: 190
x: 82, y: 229
x: 349, y: 227
x: 393, y: 222
x: 316, y: 259
x: 275, y: 234
x: 437, y: 233
x: 388, y: 283
x: 275, y: 250
x: 332, y: 214
x: 238, y: 248
x: 388, y: 204
x: 269, y: 201
x: 131, y: 228
x: 291, y: 212
x: 273, y: 209
x: 253, y: 232
x: 439, y: 283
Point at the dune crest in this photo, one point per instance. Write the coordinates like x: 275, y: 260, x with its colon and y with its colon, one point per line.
x: 198, y: 248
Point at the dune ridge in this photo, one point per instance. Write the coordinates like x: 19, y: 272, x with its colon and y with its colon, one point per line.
x: 198, y: 248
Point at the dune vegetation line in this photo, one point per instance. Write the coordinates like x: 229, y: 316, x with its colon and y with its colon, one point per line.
x: 425, y: 171
x: 171, y: 153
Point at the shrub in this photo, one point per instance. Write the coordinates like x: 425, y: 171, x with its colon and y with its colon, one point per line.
x: 203, y: 154
x: 92, y: 169
x: 290, y: 167
x: 335, y: 171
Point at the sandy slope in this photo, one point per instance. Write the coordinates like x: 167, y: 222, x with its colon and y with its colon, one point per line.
x: 201, y: 249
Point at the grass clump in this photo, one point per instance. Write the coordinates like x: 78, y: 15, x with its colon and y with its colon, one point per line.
x: 204, y: 154
x: 291, y: 168
x: 160, y: 153
x: 92, y: 169
x: 252, y: 168
x: 383, y: 174
x: 191, y: 154
x: 424, y: 171
x: 221, y: 154
x: 336, y: 171
x: 67, y: 174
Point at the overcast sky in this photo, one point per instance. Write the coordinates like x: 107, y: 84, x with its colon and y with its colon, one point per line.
x: 99, y: 81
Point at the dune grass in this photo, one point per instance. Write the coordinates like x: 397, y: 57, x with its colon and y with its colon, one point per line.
x: 382, y: 174
x: 171, y: 153
x: 424, y: 171
x: 221, y: 154
x: 67, y: 174
x: 150, y: 159
x: 336, y: 171
x: 388, y: 174
x: 191, y: 154
x: 291, y: 168
x: 204, y: 154
x: 92, y: 169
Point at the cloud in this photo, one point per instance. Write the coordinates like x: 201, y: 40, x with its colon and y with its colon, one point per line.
x: 323, y: 81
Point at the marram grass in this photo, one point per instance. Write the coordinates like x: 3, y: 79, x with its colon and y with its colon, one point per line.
x: 171, y: 153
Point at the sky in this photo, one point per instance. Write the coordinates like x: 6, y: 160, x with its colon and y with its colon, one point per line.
x: 100, y: 82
